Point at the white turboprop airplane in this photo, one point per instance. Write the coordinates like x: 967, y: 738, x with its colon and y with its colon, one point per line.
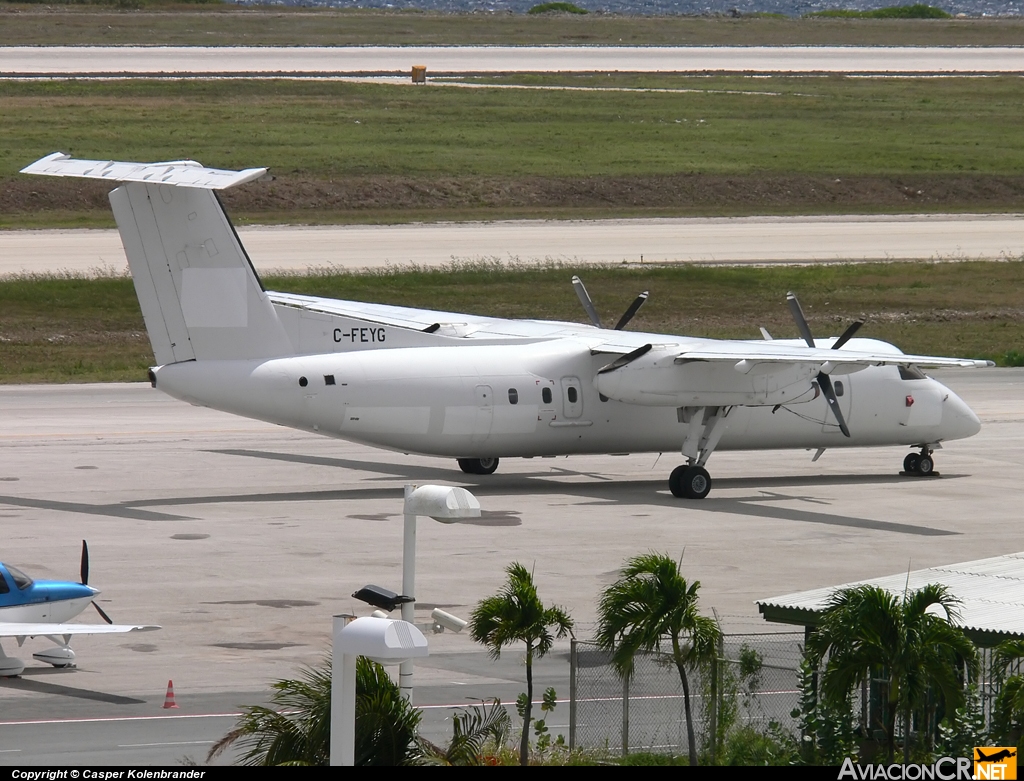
x: 481, y: 388
x: 39, y: 608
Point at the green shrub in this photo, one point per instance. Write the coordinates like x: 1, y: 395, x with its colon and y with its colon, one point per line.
x: 916, y: 11
x: 561, y: 8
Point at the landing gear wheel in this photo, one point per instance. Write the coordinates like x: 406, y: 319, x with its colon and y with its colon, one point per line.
x: 925, y: 465
x: 478, y: 466
x: 910, y: 463
x: 689, y: 482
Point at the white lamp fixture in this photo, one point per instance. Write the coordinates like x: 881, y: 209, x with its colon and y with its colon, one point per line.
x: 383, y: 640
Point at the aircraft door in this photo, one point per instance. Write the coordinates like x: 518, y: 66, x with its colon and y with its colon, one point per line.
x: 572, y: 398
x: 484, y: 413
x: 843, y: 387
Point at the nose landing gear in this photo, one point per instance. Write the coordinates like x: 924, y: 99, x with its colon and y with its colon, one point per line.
x: 919, y: 464
x: 478, y: 466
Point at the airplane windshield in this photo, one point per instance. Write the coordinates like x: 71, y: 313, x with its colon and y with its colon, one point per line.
x: 911, y: 373
x: 21, y: 580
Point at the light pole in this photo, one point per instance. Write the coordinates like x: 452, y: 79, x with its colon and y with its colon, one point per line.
x: 442, y: 503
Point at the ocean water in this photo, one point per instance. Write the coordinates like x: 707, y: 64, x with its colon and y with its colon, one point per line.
x: 685, y: 7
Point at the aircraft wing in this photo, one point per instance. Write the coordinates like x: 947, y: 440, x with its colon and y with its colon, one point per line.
x: 772, y: 353
x: 42, y: 630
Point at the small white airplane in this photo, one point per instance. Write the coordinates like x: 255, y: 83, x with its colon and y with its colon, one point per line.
x: 39, y: 608
x: 481, y: 388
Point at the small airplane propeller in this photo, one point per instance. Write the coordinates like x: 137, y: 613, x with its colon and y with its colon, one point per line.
x: 824, y: 381
x: 588, y: 305
x: 85, y: 580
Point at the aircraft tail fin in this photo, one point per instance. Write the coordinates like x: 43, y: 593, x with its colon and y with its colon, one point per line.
x: 201, y: 298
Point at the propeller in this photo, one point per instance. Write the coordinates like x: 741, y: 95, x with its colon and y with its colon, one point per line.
x: 824, y: 381
x: 588, y: 304
x: 85, y: 580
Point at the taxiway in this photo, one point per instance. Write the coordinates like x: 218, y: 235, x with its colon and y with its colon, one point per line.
x: 685, y: 240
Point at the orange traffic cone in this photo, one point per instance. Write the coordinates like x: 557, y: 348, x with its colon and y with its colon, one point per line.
x: 169, y: 699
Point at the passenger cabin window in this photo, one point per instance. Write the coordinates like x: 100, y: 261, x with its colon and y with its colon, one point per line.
x: 328, y: 379
x: 513, y: 396
x: 839, y: 388
x: 572, y: 395
x: 545, y: 394
x: 911, y: 373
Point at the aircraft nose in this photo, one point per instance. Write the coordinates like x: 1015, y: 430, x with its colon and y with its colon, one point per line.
x: 958, y: 420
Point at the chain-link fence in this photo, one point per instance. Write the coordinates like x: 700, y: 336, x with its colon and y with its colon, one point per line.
x: 756, y: 682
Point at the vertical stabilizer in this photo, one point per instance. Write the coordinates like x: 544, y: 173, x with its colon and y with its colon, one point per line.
x: 200, y: 296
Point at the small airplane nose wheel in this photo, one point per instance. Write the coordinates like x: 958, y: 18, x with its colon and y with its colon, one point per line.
x: 689, y: 482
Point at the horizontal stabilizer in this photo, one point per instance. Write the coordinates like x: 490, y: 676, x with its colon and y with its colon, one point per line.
x: 179, y: 173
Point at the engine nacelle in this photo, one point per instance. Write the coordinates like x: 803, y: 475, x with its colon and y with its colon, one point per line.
x: 657, y: 380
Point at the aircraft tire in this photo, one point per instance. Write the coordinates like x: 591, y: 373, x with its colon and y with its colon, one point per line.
x: 925, y: 465
x: 910, y: 463
x: 478, y: 466
x: 689, y: 482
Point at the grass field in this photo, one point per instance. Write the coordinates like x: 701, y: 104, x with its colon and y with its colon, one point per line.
x: 225, y: 25
x: 78, y: 330
x: 365, y: 152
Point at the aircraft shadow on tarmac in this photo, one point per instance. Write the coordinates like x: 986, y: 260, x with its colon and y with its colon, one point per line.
x: 598, y: 488
x: 25, y: 683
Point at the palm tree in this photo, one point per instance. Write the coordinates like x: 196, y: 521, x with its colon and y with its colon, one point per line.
x: 652, y: 603
x: 473, y: 729
x: 1008, y: 710
x: 516, y: 615
x: 867, y: 629
x: 296, y: 730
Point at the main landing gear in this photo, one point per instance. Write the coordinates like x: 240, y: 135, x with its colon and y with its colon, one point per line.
x: 704, y: 429
x: 689, y: 482
x: 478, y: 466
x: 920, y: 464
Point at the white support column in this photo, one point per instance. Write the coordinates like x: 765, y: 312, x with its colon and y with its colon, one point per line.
x: 343, y: 699
x: 408, y: 589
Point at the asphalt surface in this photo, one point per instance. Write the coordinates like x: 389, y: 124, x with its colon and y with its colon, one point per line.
x: 312, y: 60
x: 243, y: 539
x: 701, y: 240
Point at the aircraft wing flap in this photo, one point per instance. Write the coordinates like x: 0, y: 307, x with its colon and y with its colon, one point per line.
x: 180, y: 173
x: 36, y: 630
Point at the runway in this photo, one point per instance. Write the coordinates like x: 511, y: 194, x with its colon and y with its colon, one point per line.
x: 312, y: 60
x: 691, y: 240
x: 242, y: 539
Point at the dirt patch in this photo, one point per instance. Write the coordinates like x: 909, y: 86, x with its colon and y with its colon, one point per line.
x: 305, y: 197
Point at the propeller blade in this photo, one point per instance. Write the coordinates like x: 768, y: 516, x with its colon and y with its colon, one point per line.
x: 85, y: 563
x: 633, y: 309
x: 848, y: 334
x: 103, y: 615
x: 584, y: 297
x: 798, y: 315
x: 825, y: 383
x: 626, y: 359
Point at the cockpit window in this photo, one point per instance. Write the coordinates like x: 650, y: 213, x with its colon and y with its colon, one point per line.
x: 911, y: 373
x: 21, y: 580
x: 4, y: 588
